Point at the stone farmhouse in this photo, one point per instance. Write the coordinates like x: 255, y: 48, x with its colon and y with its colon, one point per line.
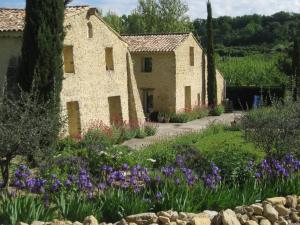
x: 108, y: 77
x: 170, y: 71
x: 99, y: 83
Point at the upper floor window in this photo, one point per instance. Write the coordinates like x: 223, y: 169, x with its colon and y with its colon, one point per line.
x: 90, y: 30
x: 147, y: 65
x: 109, y: 59
x: 69, y: 59
x: 192, y: 56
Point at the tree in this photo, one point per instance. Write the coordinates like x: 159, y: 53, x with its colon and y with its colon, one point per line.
x: 149, y: 9
x: 27, y: 128
x: 172, y: 16
x: 211, y: 67
x: 296, y: 68
x: 115, y: 21
x: 41, y: 66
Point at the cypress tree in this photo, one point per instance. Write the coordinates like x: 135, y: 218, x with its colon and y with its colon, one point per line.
x: 296, y: 68
x: 211, y: 67
x: 41, y: 67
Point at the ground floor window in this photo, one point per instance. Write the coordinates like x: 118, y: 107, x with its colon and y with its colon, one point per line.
x: 188, y: 97
x: 74, y: 123
x: 115, y: 110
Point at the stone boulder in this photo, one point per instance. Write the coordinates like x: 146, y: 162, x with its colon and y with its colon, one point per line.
x: 270, y: 213
x: 229, y: 218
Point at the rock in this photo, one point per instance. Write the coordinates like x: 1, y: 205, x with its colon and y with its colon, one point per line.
x: 250, y: 210
x: 37, y: 223
x: 90, y: 220
x: 105, y: 223
x: 201, y: 221
x: 174, y: 215
x: 291, y: 201
x: 257, y: 209
x: 172, y: 223
x: 20, y: 223
x: 240, y: 210
x: 57, y: 222
x: 251, y: 222
x: 217, y: 220
x: 182, y: 215
x: 295, y: 218
x: 143, y: 218
x: 229, y: 218
x: 121, y: 222
x: 282, y: 211
x: 265, y: 222
x: 128, y: 224
x: 164, y: 219
x: 77, y: 223
x: 298, y: 207
x: 211, y: 214
x: 282, y: 221
x: 165, y: 214
x: 242, y: 218
x: 180, y: 222
x: 277, y: 200
x: 270, y: 213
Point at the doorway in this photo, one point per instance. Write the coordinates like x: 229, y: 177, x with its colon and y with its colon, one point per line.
x: 115, y: 110
x: 74, y: 119
x: 148, y: 100
x: 188, y: 98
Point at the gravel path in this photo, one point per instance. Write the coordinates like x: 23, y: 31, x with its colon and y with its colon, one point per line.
x: 169, y: 130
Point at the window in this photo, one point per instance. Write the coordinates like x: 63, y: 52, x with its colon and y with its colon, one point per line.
x: 74, y: 123
x: 192, y: 56
x: 69, y: 59
x: 109, y: 59
x: 90, y: 30
x: 147, y: 65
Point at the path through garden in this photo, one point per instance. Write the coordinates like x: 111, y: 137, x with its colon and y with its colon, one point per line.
x: 169, y: 130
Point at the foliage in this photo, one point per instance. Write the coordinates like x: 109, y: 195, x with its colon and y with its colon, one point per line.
x: 114, y: 193
x: 250, y: 34
x: 217, y: 110
x: 26, y: 127
x: 275, y: 129
x: 41, y: 66
x: 253, y: 70
x: 152, y: 16
x: 201, y: 146
x: 211, y: 67
x: 189, y: 115
x: 296, y: 68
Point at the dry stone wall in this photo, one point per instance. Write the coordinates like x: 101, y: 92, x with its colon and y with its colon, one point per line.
x: 272, y: 211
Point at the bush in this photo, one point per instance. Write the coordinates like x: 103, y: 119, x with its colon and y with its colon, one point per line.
x: 217, y: 111
x: 275, y: 129
x: 150, y: 129
x: 180, y: 118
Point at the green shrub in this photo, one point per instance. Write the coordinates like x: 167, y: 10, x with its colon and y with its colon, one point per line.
x: 97, y: 138
x: 180, y: 118
x: 150, y: 129
x: 275, y: 129
x: 217, y: 111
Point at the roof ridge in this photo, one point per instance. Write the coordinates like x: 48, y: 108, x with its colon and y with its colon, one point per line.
x: 23, y: 9
x: 156, y: 34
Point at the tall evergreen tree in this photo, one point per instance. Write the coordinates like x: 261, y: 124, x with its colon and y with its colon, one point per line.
x: 211, y: 67
x: 41, y: 66
x: 296, y: 68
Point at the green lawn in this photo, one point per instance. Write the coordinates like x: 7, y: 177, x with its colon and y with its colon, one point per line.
x: 226, y: 147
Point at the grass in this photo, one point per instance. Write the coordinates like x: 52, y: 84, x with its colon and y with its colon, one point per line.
x: 213, y: 143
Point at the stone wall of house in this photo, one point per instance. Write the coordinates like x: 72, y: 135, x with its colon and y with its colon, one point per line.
x: 91, y: 85
x: 161, y: 79
x: 187, y: 75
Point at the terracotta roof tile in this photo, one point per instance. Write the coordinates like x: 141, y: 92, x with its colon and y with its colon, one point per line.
x: 155, y: 42
x: 13, y: 19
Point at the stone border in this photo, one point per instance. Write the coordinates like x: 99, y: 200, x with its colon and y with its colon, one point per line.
x: 272, y: 211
